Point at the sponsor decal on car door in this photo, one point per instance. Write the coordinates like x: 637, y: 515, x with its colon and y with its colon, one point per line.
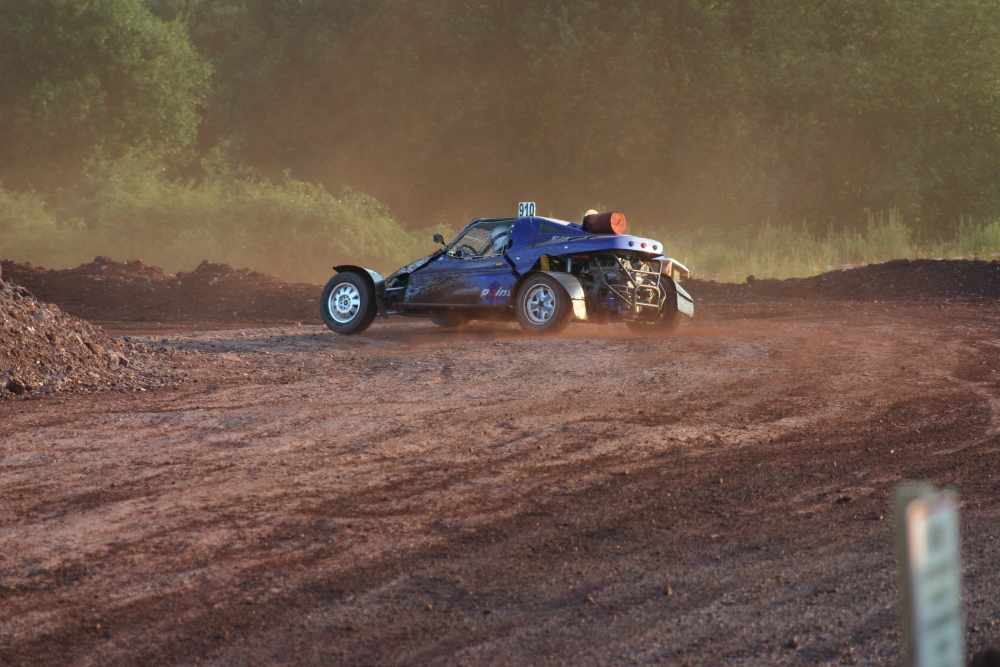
x: 462, y: 282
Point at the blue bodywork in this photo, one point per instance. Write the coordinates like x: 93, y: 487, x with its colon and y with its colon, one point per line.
x: 447, y: 283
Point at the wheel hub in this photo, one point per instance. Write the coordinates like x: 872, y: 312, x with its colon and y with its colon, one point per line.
x: 540, y: 304
x: 345, y: 303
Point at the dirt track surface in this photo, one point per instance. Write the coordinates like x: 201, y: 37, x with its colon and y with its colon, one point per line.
x: 415, y: 496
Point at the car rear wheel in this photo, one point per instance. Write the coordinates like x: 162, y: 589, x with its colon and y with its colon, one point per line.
x: 347, y: 304
x: 665, y: 326
x: 542, y: 306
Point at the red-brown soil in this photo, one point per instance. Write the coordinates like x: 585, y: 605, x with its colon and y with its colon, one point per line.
x: 910, y: 280
x: 419, y: 496
x: 131, y: 291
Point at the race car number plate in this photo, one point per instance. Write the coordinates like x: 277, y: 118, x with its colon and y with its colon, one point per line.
x: 525, y: 208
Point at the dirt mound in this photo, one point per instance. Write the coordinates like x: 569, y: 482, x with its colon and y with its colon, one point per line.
x: 901, y: 279
x: 45, y: 350
x: 106, y: 290
x: 132, y: 291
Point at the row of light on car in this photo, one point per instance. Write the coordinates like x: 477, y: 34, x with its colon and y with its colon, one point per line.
x: 643, y: 245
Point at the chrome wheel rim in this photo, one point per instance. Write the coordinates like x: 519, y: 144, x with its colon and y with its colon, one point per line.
x: 344, y: 303
x: 539, y: 304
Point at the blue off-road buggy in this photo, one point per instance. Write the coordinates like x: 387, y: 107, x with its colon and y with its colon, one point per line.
x: 543, y: 272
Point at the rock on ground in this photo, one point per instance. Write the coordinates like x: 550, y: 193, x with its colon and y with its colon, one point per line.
x: 45, y: 350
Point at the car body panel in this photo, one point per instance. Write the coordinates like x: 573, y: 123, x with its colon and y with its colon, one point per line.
x: 536, y: 236
x: 462, y: 282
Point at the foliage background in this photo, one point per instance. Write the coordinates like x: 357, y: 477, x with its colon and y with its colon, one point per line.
x: 178, y: 130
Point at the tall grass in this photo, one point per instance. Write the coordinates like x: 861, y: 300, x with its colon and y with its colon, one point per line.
x: 127, y: 211
x: 130, y: 210
x: 788, y: 251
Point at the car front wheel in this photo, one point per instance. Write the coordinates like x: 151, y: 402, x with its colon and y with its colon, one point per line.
x: 347, y: 304
x: 543, y: 306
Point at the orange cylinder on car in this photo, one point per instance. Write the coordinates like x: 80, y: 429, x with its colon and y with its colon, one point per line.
x: 612, y: 222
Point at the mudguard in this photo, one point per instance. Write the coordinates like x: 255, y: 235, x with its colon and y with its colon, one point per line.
x: 685, y: 271
x: 685, y: 303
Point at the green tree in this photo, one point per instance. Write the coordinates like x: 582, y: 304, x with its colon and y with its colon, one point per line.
x: 683, y: 111
x: 869, y: 104
x: 82, y: 78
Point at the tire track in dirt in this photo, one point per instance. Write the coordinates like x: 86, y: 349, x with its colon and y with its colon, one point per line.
x: 713, y: 498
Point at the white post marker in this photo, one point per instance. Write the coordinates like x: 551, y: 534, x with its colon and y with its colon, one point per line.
x: 930, y: 579
x: 525, y: 209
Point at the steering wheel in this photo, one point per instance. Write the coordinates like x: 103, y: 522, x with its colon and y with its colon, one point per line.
x: 460, y: 251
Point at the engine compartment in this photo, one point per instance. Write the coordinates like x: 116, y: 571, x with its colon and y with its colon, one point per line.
x: 620, y: 285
